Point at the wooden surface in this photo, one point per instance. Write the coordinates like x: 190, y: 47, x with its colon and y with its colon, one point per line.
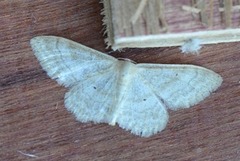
x: 34, y: 125
x: 164, y: 23
x: 168, y: 16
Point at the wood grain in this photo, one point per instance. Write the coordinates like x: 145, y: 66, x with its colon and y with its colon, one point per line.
x: 34, y: 120
x: 135, y: 18
x: 158, y: 23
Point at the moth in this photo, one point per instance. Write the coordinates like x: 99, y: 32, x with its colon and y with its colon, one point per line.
x: 103, y: 89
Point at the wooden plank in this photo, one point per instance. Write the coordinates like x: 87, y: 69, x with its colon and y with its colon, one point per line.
x: 202, y: 6
x: 151, y: 23
x: 228, y: 12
